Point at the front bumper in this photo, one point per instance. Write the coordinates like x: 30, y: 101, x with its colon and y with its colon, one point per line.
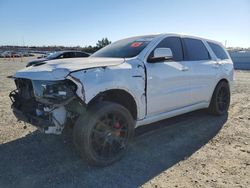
x: 38, y: 122
x: 24, y: 110
x: 50, y: 114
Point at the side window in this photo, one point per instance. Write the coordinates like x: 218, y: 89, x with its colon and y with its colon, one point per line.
x: 174, y: 43
x: 80, y: 54
x: 195, y: 50
x: 218, y: 50
x: 68, y: 55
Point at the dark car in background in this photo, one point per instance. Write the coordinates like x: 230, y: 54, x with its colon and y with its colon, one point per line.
x: 59, y: 55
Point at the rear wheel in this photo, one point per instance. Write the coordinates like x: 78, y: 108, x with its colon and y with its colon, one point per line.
x: 103, y: 135
x: 220, y: 100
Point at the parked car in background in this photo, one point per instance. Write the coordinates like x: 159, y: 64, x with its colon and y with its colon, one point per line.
x: 11, y: 54
x: 127, y: 84
x: 44, y: 55
x: 59, y: 55
x: 26, y: 54
x: 6, y: 54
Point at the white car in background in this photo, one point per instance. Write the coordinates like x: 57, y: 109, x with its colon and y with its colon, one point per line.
x: 131, y: 82
x: 6, y: 54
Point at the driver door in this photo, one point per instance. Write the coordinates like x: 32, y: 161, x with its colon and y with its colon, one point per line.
x: 167, y: 83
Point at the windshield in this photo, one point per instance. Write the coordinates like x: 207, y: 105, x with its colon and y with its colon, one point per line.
x: 125, y: 48
x: 54, y: 55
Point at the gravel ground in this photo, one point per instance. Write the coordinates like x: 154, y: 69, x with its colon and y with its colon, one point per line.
x: 192, y: 150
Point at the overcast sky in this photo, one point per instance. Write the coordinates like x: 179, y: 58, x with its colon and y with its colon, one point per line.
x: 83, y: 22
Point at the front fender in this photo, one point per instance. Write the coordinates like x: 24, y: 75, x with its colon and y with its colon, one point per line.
x: 127, y: 77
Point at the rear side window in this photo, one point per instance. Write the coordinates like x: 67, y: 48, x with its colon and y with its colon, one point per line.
x: 195, y: 50
x: 79, y: 54
x: 68, y: 55
x: 174, y: 43
x: 218, y: 50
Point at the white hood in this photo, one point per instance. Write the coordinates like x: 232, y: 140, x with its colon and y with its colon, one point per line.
x: 59, y: 69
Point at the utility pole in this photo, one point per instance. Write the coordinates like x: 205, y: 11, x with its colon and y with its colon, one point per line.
x: 22, y: 50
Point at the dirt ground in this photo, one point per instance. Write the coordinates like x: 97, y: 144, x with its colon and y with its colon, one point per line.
x: 192, y: 150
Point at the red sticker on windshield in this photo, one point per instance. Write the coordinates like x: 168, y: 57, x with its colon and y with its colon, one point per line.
x: 136, y: 44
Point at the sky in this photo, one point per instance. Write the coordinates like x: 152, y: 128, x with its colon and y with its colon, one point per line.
x: 83, y: 22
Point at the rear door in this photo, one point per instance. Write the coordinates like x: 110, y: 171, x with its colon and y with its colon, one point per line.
x: 202, y: 70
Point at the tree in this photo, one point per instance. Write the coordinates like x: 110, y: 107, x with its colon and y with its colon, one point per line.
x: 102, y: 43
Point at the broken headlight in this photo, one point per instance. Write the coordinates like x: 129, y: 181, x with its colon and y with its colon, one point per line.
x: 53, y: 91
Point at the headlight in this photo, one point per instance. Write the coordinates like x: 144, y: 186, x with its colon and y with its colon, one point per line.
x: 53, y: 91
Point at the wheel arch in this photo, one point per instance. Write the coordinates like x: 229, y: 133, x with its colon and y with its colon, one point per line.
x: 214, y: 108
x: 119, y: 96
x: 217, y: 83
x: 223, y: 80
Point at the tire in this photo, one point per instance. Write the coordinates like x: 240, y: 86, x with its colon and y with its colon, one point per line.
x: 102, y: 136
x: 220, y: 101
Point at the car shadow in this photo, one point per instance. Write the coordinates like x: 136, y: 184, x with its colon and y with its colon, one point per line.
x: 39, y: 160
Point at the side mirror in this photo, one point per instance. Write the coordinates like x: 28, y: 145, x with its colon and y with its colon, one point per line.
x: 161, y: 54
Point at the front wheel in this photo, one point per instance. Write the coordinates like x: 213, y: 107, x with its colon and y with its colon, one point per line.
x: 220, y: 100
x: 102, y: 136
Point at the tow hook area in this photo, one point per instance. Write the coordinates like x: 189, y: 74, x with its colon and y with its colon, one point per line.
x: 58, y: 116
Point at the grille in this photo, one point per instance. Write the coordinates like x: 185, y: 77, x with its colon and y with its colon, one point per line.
x: 24, y: 87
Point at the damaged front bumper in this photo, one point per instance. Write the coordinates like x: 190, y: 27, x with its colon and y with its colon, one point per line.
x: 40, y: 123
x: 46, y: 105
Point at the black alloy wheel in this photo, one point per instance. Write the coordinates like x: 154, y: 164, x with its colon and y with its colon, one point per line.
x: 103, y: 135
x: 220, y: 101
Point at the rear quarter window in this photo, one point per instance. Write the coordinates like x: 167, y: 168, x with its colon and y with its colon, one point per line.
x: 195, y: 50
x: 218, y: 50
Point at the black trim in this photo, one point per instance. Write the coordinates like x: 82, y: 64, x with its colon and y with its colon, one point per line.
x: 28, y: 118
x: 184, y: 52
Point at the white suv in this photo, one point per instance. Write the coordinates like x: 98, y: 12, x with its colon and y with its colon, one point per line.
x: 131, y: 82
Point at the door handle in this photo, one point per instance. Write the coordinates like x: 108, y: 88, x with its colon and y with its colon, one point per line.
x: 217, y: 65
x: 184, y: 68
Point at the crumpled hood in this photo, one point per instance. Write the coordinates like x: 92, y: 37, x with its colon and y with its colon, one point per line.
x: 59, y: 69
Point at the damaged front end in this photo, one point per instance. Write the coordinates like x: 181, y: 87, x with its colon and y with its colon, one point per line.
x: 48, y: 105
